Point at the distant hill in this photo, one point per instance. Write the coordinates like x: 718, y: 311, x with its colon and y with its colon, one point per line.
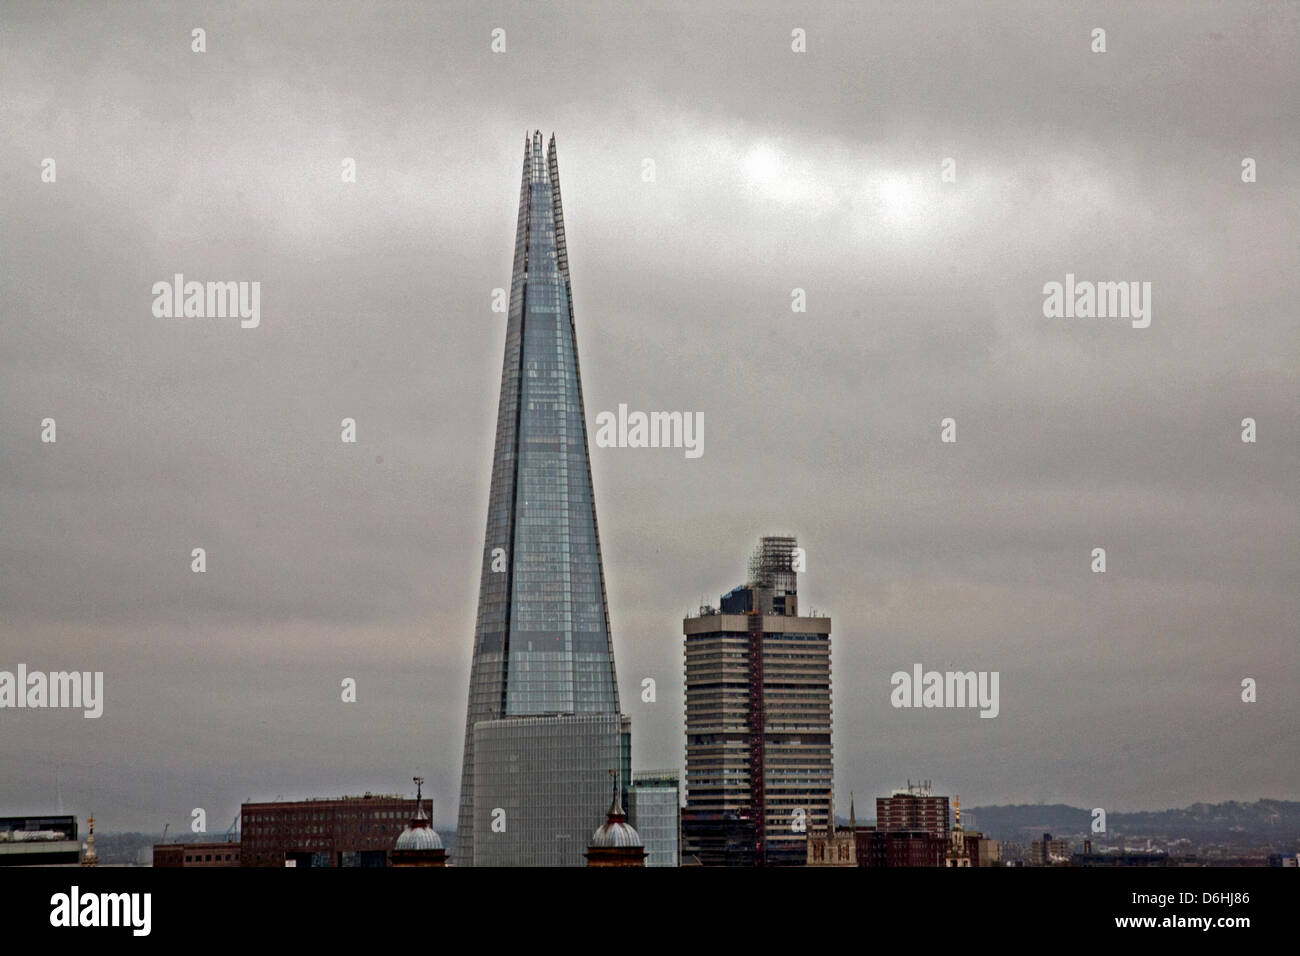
x: 1276, y: 821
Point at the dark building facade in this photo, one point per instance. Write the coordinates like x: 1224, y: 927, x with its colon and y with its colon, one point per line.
x: 224, y: 853
x: 542, y: 645
x: 1131, y: 858
x: 759, y: 765
x: 899, y: 848
x: 333, y: 831
x: 1049, y: 852
x: 911, y: 830
x: 981, y: 849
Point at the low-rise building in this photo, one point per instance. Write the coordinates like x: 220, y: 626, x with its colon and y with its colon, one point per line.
x: 223, y: 853
x: 330, y: 831
x: 834, y: 845
x: 39, y: 841
x: 899, y: 848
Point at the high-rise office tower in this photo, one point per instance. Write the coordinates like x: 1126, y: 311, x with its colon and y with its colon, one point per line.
x: 543, y: 698
x: 758, y: 720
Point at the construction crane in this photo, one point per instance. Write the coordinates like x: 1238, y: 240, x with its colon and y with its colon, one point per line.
x: 163, y: 838
x: 233, y: 823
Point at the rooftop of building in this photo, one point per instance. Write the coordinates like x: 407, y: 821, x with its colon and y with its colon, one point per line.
x: 921, y: 788
x: 708, y: 610
x: 656, y: 776
x: 317, y: 800
x: 773, y: 569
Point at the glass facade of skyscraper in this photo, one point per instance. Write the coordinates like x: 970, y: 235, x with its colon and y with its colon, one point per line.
x: 654, y: 808
x: 542, y: 643
x: 536, y: 781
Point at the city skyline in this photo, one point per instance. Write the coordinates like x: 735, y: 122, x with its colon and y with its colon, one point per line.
x: 820, y: 172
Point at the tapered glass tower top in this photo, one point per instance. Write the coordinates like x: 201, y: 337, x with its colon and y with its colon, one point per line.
x: 542, y: 642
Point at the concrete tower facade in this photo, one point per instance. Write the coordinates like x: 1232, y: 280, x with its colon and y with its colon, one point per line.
x: 759, y: 767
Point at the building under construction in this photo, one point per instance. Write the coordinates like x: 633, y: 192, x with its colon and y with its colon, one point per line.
x: 758, y: 719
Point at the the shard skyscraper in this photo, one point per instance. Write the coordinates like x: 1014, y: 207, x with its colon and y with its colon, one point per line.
x: 543, y: 727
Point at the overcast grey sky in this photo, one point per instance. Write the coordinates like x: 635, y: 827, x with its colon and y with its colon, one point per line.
x: 774, y: 170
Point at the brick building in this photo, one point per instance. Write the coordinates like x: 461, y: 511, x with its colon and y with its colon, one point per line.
x: 331, y: 831
x: 225, y: 853
x: 914, y: 808
x: 899, y: 848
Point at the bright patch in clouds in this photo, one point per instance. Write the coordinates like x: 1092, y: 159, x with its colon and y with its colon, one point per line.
x: 903, y: 199
x: 869, y: 198
x: 879, y: 195
x: 762, y: 165
x: 773, y: 175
